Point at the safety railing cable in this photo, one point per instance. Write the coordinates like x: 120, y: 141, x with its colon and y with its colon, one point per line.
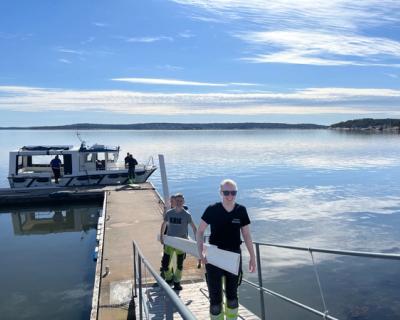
x: 171, y: 299
x: 324, y: 314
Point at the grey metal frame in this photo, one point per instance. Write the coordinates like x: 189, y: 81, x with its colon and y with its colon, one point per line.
x: 325, y: 314
x: 171, y: 299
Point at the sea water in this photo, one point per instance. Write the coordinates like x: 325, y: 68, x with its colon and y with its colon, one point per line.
x: 312, y: 188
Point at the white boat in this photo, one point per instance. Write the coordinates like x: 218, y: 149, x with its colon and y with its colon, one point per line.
x: 29, y: 167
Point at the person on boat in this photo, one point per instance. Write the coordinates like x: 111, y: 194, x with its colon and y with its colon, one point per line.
x: 227, y: 220
x: 126, y: 159
x: 56, y: 167
x: 131, y: 168
x: 177, y: 220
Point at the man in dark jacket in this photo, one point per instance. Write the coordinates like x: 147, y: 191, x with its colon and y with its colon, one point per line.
x: 56, y: 167
x: 131, y: 161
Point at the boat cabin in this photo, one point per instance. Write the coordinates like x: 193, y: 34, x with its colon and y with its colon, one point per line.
x: 95, y: 165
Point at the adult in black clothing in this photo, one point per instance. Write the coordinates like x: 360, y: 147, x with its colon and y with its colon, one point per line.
x: 227, y: 220
x: 55, y: 165
x: 126, y: 159
x: 131, y: 168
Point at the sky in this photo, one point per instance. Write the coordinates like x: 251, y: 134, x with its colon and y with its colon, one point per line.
x: 136, y: 61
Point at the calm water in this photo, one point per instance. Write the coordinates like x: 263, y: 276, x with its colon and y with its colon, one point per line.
x: 308, y: 188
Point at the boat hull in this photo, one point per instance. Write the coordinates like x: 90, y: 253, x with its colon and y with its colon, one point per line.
x: 103, y: 178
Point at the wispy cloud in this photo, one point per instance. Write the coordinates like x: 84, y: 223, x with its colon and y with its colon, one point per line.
x: 146, y: 39
x: 70, y: 51
x: 168, y: 82
x: 100, y: 24
x: 301, y: 102
x: 170, y: 67
x: 310, y: 47
x: 284, y: 31
x: 64, y: 61
x: 13, y: 36
x: 89, y: 40
x: 176, y: 82
x: 392, y: 75
x: 186, y: 34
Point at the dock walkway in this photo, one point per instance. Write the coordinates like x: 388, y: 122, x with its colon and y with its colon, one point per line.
x: 135, y: 213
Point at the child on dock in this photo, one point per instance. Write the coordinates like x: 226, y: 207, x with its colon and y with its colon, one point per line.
x: 177, y: 220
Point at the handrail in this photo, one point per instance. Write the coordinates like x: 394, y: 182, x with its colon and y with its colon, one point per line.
x: 294, y: 302
x: 170, y: 295
x: 324, y: 314
x: 378, y: 255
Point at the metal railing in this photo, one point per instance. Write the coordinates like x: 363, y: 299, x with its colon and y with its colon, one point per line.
x: 171, y: 300
x: 323, y: 314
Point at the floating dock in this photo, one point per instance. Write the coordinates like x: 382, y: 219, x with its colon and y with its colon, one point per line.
x: 29, y: 196
x: 135, y: 213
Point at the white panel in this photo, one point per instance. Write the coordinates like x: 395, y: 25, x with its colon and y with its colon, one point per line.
x: 223, y: 259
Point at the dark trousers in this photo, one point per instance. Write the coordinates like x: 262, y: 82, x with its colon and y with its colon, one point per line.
x: 57, y: 173
x: 131, y: 173
x: 214, y: 276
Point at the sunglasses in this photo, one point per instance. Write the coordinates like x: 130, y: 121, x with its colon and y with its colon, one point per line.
x: 227, y: 193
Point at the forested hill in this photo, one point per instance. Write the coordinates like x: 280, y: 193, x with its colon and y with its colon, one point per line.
x: 369, y: 124
x: 172, y: 126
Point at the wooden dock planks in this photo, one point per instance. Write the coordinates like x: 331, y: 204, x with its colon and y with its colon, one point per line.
x: 136, y: 214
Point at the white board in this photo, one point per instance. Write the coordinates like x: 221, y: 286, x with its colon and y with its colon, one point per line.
x: 223, y: 259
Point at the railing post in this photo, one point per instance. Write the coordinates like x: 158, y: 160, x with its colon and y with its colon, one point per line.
x: 260, y: 282
x: 134, y: 269
x: 140, y: 288
x: 169, y: 314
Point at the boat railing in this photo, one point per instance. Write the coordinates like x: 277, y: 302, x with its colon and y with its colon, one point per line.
x: 172, y: 302
x: 323, y: 314
x: 150, y: 162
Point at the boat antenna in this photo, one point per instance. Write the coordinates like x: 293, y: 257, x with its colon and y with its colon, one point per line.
x: 83, y: 142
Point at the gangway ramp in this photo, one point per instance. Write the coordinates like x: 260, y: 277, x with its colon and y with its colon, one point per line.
x: 134, y: 213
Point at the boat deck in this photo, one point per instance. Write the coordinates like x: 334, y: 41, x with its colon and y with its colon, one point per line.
x: 135, y: 213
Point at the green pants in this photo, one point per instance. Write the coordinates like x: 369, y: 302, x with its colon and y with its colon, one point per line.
x: 166, y: 266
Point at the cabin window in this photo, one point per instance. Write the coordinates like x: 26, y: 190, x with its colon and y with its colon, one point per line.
x: 101, y: 156
x: 67, y: 164
x: 19, y: 164
x: 111, y: 157
x: 89, y: 157
x: 35, y: 163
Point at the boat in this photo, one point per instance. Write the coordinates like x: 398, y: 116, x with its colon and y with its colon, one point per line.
x: 96, y: 165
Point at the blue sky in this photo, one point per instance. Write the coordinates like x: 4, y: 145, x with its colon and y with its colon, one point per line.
x: 131, y: 61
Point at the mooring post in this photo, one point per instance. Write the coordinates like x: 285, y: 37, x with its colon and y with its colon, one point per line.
x: 164, y: 179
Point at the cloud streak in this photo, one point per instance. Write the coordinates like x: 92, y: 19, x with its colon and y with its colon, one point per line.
x: 176, y: 82
x: 310, y: 47
x: 168, y: 82
x: 284, y: 31
x: 298, y: 102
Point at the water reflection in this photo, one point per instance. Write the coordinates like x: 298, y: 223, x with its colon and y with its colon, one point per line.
x: 353, y: 288
x: 47, y: 261
x: 28, y: 221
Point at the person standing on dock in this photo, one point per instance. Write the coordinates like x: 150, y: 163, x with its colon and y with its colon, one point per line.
x: 177, y: 220
x: 227, y: 220
x: 55, y: 165
x: 131, y: 161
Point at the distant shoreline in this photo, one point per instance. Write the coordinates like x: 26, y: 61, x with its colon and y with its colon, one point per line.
x: 363, y: 125
x: 173, y: 126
